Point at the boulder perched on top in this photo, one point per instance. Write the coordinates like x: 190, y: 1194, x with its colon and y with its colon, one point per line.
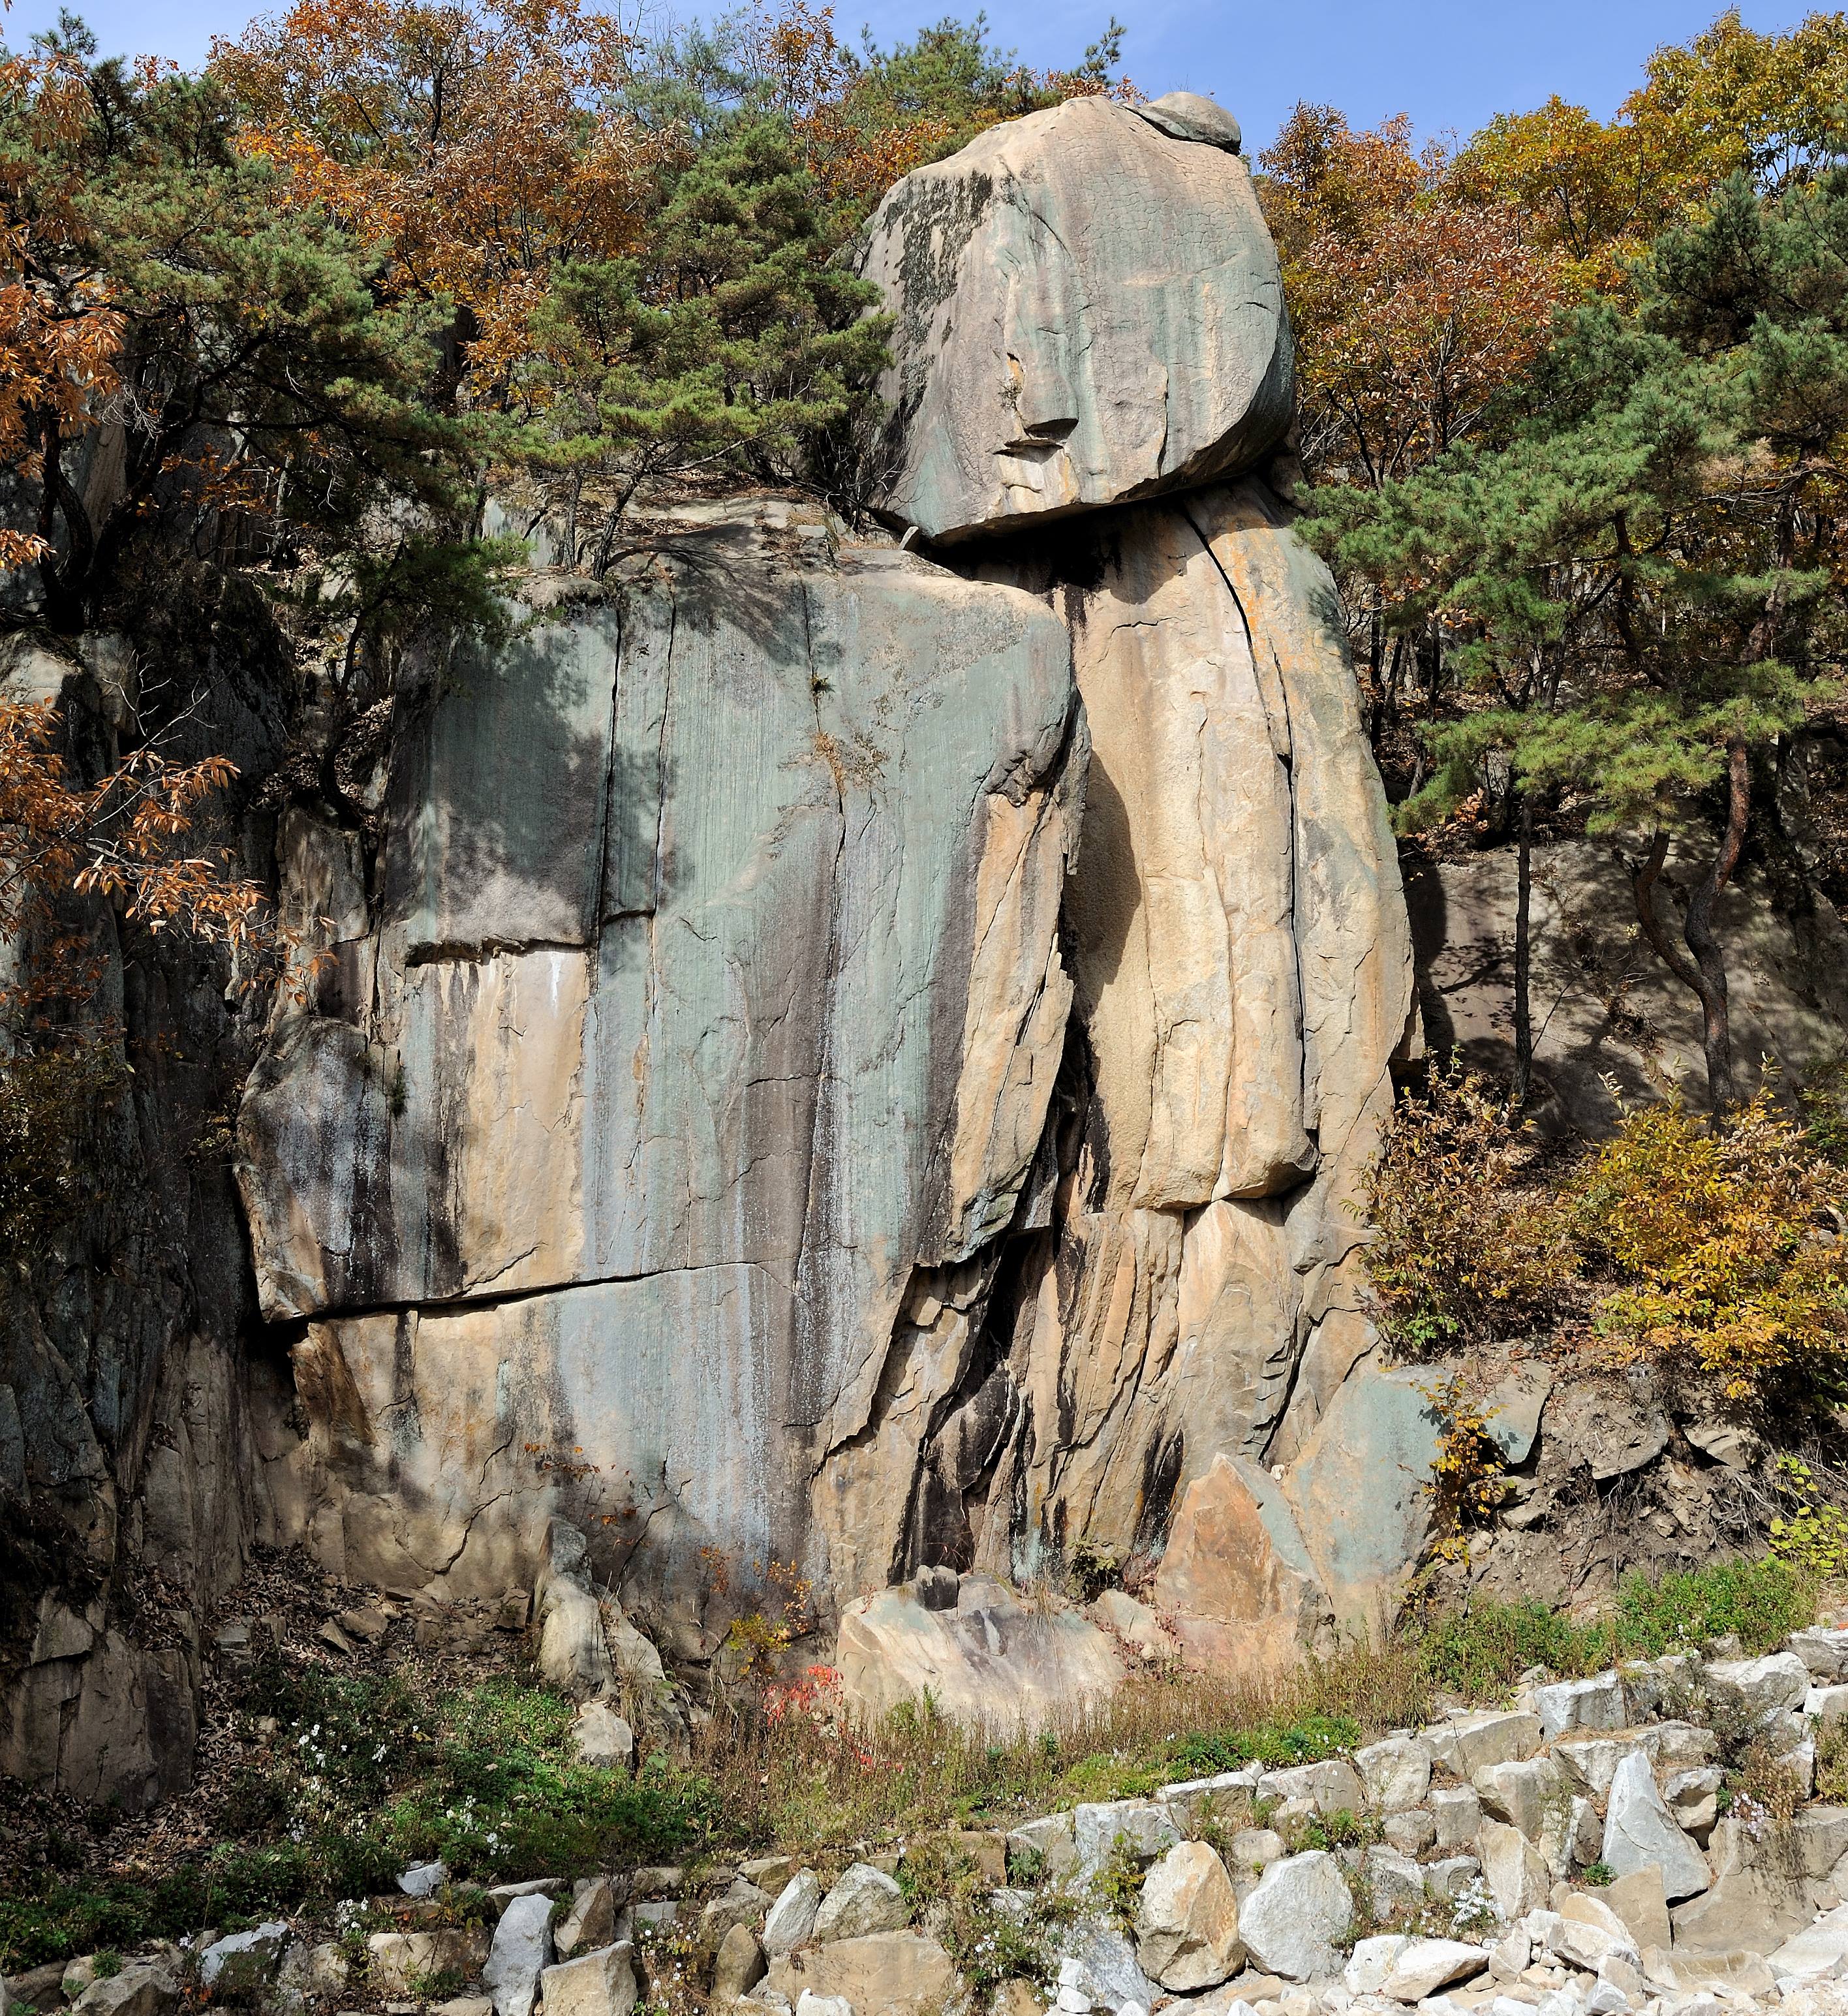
x: 1088, y: 309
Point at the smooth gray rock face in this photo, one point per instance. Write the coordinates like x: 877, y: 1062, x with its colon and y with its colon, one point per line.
x: 865, y: 1900
x: 701, y: 1090
x: 791, y: 1918
x: 1639, y: 1831
x: 1087, y: 310
x: 521, y: 1953
x: 1290, y: 1921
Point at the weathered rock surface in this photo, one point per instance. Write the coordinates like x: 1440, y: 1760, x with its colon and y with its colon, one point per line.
x: 685, y: 1124
x: 520, y: 1952
x: 864, y: 1900
x: 697, y: 1033
x: 1243, y: 981
x: 1423, y: 1966
x: 1187, y: 1924
x: 791, y: 1919
x: 1290, y: 1921
x: 994, y: 1659
x: 889, y: 1974
x: 1088, y: 310
x: 1640, y: 1832
x: 599, y: 1984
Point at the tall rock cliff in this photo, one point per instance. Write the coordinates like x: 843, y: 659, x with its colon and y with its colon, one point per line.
x: 856, y: 1052
x: 858, y: 1059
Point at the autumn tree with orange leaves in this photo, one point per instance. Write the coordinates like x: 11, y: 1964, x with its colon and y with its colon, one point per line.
x: 476, y: 148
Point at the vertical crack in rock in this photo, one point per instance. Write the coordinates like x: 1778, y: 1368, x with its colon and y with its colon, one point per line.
x: 815, y: 1299
x: 1274, y: 693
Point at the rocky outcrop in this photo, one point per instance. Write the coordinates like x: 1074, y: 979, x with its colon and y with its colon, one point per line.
x: 1244, y: 981
x: 821, y: 1060
x: 133, y: 1415
x: 1087, y: 308
x: 682, y: 1046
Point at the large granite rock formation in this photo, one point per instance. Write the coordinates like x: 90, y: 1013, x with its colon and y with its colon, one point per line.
x: 674, y: 1142
x: 713, y: 990
x: 1088, y: 309
x: 817, y: 1054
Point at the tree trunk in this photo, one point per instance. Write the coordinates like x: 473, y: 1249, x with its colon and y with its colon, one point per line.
x: 1698, y: 930
x: 1523, y: 1075
x: 1704, y: 975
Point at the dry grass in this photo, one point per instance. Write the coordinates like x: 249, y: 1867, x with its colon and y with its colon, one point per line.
x: 810, y: 1780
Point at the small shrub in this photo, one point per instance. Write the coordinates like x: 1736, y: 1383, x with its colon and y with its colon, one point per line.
x: 1467, y: 1246
x: 1813, y: 1537
x: 990, y: 1947
x: 1726, y: 1244
x: 1599, y: 1875
x: 1466, y: 1485
x: 1119, y: 1883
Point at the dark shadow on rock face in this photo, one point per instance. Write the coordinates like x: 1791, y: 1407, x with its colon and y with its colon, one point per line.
x: 1426, y: 907
x: 1104, y: 895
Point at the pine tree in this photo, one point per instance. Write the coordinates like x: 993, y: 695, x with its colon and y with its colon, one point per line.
x: 1642, y: 587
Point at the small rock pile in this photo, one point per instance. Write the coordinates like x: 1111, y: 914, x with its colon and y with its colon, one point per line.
x: 1576, y: 1853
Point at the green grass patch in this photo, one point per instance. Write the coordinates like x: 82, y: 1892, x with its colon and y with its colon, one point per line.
x: 1484, y: 1648
x: 366, y: 1775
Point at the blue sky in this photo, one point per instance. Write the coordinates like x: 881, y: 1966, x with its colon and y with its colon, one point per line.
x: 1449, y: 63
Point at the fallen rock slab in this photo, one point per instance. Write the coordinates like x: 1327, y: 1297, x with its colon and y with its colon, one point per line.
x: 396, y: 1960
x: 1821, y: 1953
x: 1762, y: 1689
x: 1098, y: 1965
x: 602, y: 1738
x: 739, y: 1965
x: 1144, y: 1827
x: 1424, y: 1965
x: 1372, y: 1961
x: 1187, y: 1924
x: 888, y: 1973
x: 1639, y: 1902
x: 1639, y: 1831
x: 1514, y: 1869
x: 993, y: 1662
x: 1290, y: 1921
x: 1596, y: 1703
x: 1467, y: 1742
